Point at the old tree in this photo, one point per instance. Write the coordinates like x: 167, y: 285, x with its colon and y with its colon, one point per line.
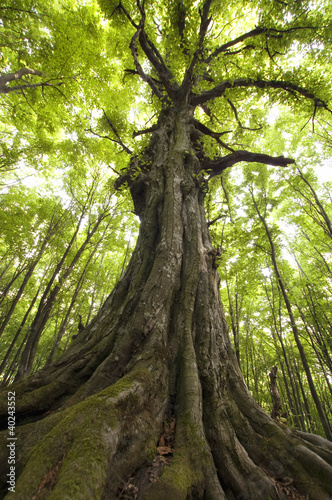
x: 155, y: 367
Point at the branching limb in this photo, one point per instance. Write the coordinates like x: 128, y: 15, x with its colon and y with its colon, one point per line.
x: 14, y: 9
x: 213, y: 221
x: 237, y: 117
x: 135, y: 72
x: 215, y: 167
x: 126, y: 13
x: 220, y: 89
x: 146, y: 130
x: 157, y: 61
x: 205, y: 21
x: 146, y: 78
x: 154, y: 57
x: 216, y: 135
x: 231, y: 43
x: 127, y: 150
x: 21, y: 88
x: 234, y: 52
x: 270, y: 32
x: 18, y: 75
x: 116, y: 141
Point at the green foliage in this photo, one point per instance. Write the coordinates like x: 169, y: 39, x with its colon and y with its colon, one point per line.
x: 303, y: 250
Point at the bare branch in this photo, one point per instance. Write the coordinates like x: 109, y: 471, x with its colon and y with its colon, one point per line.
x: 225, y: 46
x: 218, y: 165
x: 139, y: 68
x: 253, y: 33
x: 237, y: 118
x: 17, y: 75
x: 116, y: 141
x: 220, y: 89
x: 146, y: 130
x: 205, y: 21
x: 216, y: 135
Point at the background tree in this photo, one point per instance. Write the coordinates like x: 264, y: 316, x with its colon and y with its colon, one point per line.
x: 155, y: 366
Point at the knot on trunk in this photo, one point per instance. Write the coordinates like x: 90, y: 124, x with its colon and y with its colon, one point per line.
x: 135, y: 177
x: 138, y: 190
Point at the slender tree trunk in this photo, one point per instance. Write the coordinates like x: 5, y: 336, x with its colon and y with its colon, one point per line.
x: 19, y: 330
x: 159, y: 351
x: 295, y: 408
x: 321, y: 413
x: 30, y: 269
x: 318, y: 205
x: 304, y: 398
x: 234, y: 321
x: 17, y: 273
x: 50, y: 295
x: 20, y: 291
x: 65, y: 320
x: 276, y: 399
x: 7, y: 265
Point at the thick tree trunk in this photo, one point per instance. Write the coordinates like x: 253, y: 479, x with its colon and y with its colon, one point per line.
x: 149, y: 398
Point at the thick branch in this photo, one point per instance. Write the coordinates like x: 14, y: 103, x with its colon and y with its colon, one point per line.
x: 220, y: 89
x: 157, y: 61
x: 17, y: 75
x: 154, y: 127
x: 19, y: 88
x: 154, y: 56
x: 126, y: 13
x: 231, y: 43
x: 218, y: 165
x: 139, y: 68
x: 253, y: 33
x: 216, y: 135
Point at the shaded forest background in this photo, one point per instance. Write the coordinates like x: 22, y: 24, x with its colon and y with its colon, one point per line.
x: 67, y: 235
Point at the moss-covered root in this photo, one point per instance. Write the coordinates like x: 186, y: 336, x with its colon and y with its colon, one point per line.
x: 72, y: 460
x: 191, y: 474
x: 305, y: 461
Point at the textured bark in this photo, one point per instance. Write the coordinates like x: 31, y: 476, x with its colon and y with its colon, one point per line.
x: 158, y: 357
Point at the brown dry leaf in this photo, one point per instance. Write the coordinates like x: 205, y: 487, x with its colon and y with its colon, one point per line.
x: 164, y: 450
